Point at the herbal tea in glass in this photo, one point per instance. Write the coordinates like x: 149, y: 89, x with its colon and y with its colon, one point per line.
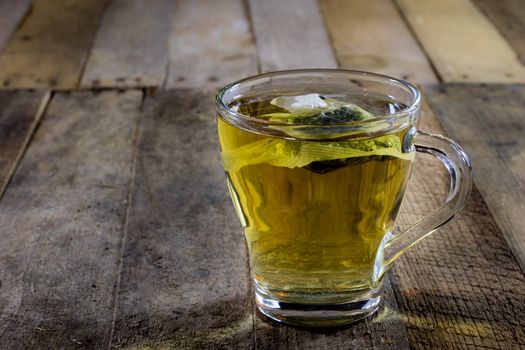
x: 317, y: 175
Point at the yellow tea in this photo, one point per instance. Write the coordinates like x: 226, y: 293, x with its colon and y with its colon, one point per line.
x: 316, y: 212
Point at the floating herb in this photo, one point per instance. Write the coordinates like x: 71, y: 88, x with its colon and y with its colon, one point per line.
x: 308, y: 111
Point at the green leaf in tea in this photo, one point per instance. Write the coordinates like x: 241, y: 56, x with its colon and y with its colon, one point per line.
x: 308, y: 111
x: 292, y: 153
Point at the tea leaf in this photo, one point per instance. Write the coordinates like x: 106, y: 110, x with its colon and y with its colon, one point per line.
x: 310, y: 111
x: 292, y: 153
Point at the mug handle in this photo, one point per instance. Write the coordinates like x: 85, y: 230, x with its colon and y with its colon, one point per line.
x: 459, y: 167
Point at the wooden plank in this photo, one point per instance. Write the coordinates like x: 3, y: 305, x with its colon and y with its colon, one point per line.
x: 372, y: 36
x: 290, y: 34
x: 50, y: 47
x: 460, y: 288
x: 11, y: 13
x: 185, y: 280
x: 462, y: 43
x: 210, y: 45
x: 131, y: 47
x: 488, y: 121
x: 507, y: 16
x: 20, y: 112
x: 62, y: 221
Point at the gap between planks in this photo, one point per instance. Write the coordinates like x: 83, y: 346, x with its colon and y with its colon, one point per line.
x: 125, y: 222
x: 46, y: 98
x: 51, y: 45
x: 136, y: 55
x: 12, y: 14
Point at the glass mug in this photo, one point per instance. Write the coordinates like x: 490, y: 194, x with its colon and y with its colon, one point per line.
x: 317, y: 162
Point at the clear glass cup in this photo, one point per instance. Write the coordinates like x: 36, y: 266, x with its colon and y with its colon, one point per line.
x: 318, y: 201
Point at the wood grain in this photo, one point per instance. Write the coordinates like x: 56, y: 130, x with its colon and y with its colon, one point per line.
x: 372, y: 36
x: 211, y: 44
x: 62, y: 220
x: 489, y: 121
x: 508, y: 17
x: 460, y: 288
x: 11, y: 13
x: 462, y: 43
x: 131, y: 47
x: 50, y: 47
x: 290, y: 34
x: 20, y: 112
x: 185, y: 271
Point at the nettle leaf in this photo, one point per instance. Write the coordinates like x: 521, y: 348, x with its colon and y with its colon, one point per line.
x: 311, y: 110
x: 297, y: 154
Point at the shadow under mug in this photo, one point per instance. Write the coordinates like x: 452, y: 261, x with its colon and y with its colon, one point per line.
x: 319, y: 230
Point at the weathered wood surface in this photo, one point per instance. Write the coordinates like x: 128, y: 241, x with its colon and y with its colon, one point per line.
x: 372, y: 36
x: 50, y: 47
x: 462, y: 43
x: 11, y: 13
x: 62, y: 220
x: 508, y: 16
x: 184, y: 280
x: 489, y: 121
x: 20, y: 112
x: 211, y: 44
x: 290, y: 34
x: 183, y: 241
x: 460, y: 288
x: 81, y: 269
x: 131, y: 47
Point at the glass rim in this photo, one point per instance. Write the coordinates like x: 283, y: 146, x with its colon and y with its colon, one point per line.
x: 410, y: 108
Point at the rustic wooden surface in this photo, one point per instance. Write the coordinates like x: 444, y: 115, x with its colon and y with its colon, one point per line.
x: 462, y: 44
x: 51, y: 45
x: 489, y: 121
x: 126, y: 55
x: 20, y: 112
x: 11, y: 12
x: 290, y: 34
x: 508, y: 18
x: 225, y: 51
x: 378, y: 51
x: 461, y: 287
x: 117, y: 228
x: 183, y: 248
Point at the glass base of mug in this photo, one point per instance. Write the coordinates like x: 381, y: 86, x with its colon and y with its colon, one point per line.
x: 317, y: 315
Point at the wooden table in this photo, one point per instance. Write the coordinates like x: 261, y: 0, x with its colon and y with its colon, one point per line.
x: 115, y: 222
